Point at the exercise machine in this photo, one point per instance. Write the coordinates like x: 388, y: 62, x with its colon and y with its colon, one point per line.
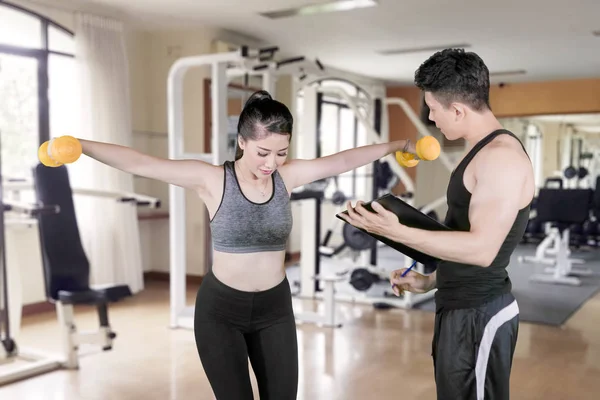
x: 244, y: 62
x: 37, y: 363
x: 577, y: 169
x: 555, y: 250
x: 578, y: 159
x: 13, y: 188
x: 367, y: 274
x: 354, y: 240
x: 66, y: 273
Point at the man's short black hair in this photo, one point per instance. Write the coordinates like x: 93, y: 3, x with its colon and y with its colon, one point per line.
x: 453, y: 75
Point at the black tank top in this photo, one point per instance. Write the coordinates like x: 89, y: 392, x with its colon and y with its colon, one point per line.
x: 466, y: 286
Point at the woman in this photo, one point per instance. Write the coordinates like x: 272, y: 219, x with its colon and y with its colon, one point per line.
x: 244, y: 305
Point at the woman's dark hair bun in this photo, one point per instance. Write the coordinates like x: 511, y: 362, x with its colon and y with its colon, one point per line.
x: 258, y: 96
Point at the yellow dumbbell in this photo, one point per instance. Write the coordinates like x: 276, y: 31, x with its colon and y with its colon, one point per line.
x: 45, y: 158
x: 428, y: 148
x: 407, y: 160
x: 59, y: 151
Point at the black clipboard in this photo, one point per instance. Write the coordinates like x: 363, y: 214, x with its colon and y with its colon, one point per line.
x: 409, y: 216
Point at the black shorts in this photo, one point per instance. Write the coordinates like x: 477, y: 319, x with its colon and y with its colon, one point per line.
x: 473, y: 350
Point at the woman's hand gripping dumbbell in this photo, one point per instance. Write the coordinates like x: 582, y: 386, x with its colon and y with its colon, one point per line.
x: 427, y: 148
x: 59, y: 151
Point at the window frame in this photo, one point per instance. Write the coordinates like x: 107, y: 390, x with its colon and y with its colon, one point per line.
x: 42, y: 55
x: 353, y: 175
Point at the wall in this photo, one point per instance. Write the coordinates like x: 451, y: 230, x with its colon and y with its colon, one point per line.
x: 536, y: 98
x: 551, y: 134
x: 400, y: 127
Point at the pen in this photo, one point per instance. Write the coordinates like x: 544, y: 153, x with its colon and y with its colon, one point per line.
x: 409, y: 268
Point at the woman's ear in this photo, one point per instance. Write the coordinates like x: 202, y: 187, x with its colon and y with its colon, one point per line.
x: 241, y: 142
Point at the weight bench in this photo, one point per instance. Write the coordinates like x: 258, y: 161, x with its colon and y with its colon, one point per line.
x: 564, y: 207
x: 66, y: 267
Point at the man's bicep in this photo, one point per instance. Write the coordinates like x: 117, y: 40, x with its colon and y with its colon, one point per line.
x: 495, y: 202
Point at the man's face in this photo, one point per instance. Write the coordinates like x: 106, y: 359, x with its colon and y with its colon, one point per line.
x: 447, y: 120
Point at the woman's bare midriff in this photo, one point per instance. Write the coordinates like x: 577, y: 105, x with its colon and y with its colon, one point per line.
x: 249, y: 272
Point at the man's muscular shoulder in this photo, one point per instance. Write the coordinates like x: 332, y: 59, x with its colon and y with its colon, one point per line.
x: 502, y: 150
x: 505, y: 162
x: 504, y: 154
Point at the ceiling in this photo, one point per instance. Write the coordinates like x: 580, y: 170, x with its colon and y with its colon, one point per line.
x: 549, y: 42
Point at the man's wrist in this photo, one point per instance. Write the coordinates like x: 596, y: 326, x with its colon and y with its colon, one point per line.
x: 399, y: 233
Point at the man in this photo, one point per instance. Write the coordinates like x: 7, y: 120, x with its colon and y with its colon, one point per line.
x: 489, y: 196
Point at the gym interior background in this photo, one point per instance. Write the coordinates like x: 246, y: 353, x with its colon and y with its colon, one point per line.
x: 546, y: 83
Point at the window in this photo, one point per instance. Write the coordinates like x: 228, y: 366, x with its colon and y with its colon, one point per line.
x: 37, y: 86
x: 61, y: 95
x: 60, y: 41
x: 341, y: 130
x: 19, y: 113
x: 20, y: 29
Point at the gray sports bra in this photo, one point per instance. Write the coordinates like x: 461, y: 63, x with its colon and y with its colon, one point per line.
x: 243, y: 226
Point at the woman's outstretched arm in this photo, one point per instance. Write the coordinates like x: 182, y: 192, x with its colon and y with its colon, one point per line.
x: 185, y: 173
x: 301, y: 172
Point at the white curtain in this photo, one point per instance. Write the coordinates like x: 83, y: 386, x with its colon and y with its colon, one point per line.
x: 109, y: 229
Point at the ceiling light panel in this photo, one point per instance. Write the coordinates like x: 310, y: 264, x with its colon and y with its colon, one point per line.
x: 431, y: 49
x: 508, y: 73
x: 332, y: 6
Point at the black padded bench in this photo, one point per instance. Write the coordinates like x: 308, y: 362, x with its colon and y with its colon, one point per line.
x: 564, y: 208
x: 66, y: 266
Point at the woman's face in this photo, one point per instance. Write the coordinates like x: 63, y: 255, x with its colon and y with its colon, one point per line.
x: 262, y: 157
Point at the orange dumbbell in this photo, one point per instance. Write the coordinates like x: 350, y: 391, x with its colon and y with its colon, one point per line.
x: 59, y: 151
x: 428, y: 148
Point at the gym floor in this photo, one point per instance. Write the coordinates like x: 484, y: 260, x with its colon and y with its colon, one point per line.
x: 376, y: 354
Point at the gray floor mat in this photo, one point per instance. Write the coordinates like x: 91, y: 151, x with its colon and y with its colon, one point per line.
x: 543, y: 303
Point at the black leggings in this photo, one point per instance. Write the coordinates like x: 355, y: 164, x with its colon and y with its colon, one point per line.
x: 232, y: 325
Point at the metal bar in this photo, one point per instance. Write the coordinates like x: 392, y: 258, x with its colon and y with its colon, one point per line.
x: 4, y: 315
x: 177, y: 225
